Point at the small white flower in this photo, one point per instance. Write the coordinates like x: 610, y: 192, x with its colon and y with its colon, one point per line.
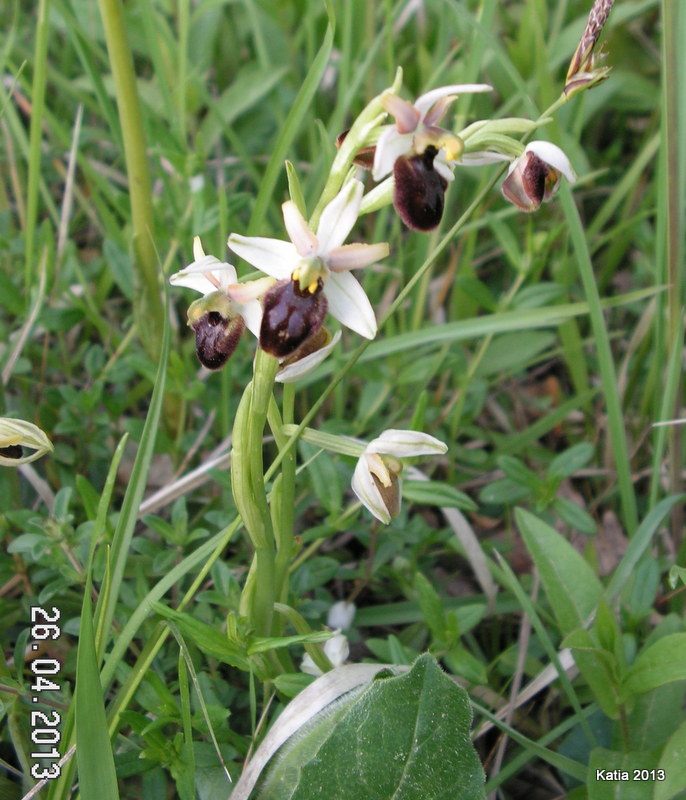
x: 15, y: 434
x: 309, y: 257
x: 341, y: 615
x: 416, y: 128
x: 335, y: 649
x: 376, y: 480
x: 534, y: 177
x: 207, y: 274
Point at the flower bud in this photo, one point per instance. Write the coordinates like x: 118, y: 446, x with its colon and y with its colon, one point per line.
x: 534, y: 176
x: 341, y: 615
x: 419, y: 190
x: 584, y: 69
x: 291, y: 316
x: 376, y: 480
x: 217, y: 326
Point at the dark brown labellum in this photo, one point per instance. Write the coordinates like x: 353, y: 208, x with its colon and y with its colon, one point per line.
x: 419, y: 190
x: 389, y: 494
x: 216, y: 338
x: 12, y: 451
x: 534, y: 175
x: 290, y: 317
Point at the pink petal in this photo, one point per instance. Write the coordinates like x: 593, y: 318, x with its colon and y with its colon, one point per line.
x: 302, y: 237
x: 438, y: 109
x: 356, y: 256
x: 406, y: 115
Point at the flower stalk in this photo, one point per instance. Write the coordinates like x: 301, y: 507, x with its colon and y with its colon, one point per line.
x: 247, y: 483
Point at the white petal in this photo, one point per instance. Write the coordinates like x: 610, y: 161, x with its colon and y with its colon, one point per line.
x: 356, y: 256
x: 403, y: 444
x: 553, y: 155
x: 442, y: 167
x: 252, y: 316
x: 273, y: 256
x: 364, y: 487
x: 302, y: 237
x: 480, y: 158
x: 341, y: 615
x: 298, y: 369
x: 426, y: 101
x: 339, y: 216
x: 349, y: 304
x: 336, y: 649
x: 198, y: 251
x: 205, y: 275
x: 391, y: 145
x: 307, y: 665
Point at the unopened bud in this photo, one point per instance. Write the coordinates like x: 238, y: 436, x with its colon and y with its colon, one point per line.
x: 584, y: 70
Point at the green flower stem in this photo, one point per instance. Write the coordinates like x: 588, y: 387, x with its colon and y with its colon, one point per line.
x: 282, y: 500
x: 148, y: 309
x: 247, y: 482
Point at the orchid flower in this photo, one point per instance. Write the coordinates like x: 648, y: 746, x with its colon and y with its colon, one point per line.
x: 313, y: 274
x: 376, y: 480
x: 218, y: 318
x: 420, y: 154
x: 533, y: 178
x: 15, y: 435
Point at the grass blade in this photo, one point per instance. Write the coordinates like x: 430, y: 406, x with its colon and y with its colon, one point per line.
x: 606, y: 366
x: 97, y: 776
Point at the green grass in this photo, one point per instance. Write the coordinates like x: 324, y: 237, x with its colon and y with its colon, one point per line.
x: 541, y: 348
